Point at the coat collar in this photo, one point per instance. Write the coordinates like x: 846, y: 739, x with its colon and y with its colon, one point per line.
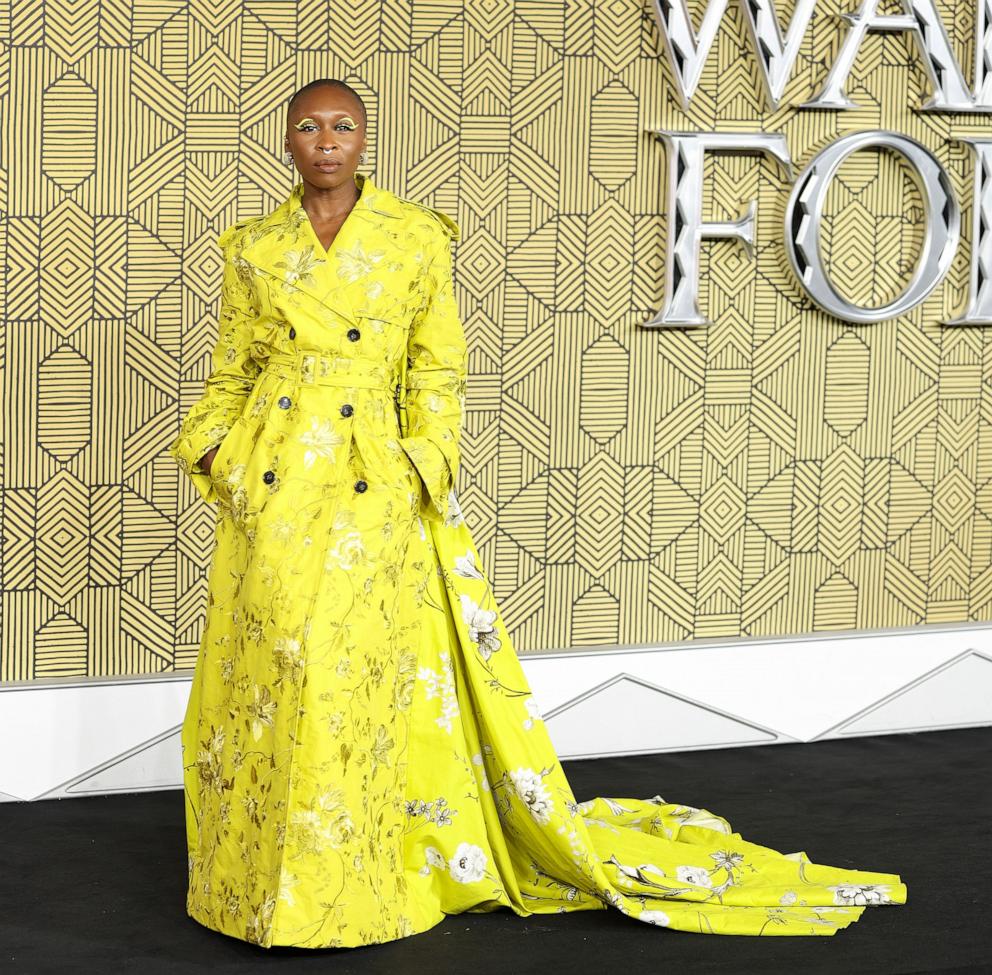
x: 284, y: 246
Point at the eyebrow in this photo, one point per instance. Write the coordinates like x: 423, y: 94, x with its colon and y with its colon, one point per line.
x: 342, y: 114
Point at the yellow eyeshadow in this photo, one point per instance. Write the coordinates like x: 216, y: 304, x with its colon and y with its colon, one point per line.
x: 347, y: 120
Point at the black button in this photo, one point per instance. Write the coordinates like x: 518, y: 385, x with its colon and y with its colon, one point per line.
x: 285, y: 402
x: 360, y: 486
x: 354, y: 334
x: 292, y: 333
x: 269, y: 477
x: 347, y: 409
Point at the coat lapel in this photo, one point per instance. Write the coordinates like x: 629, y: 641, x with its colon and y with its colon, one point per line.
x: 284, y: 246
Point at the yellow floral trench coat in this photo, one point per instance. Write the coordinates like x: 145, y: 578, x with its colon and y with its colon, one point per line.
x: 362, y: 753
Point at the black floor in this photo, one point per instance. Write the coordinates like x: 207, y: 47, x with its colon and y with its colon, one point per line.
x: 97, y: 885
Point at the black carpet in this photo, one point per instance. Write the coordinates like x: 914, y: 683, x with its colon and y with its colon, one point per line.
x: 98, y: 884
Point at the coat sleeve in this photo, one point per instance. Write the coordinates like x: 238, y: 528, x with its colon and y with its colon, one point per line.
x: 232, y: 375
x: 436, y: 381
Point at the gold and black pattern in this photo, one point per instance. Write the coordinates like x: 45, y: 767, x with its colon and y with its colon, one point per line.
x: 778, y: 472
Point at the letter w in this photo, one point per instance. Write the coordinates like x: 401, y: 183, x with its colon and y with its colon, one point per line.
x: 687, y: 50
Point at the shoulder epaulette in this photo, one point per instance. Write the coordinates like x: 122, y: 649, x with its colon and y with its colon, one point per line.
x: 228, y: 234
x: 450, y: 227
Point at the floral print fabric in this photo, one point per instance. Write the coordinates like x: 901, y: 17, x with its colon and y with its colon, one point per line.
x: 496, y: 823
x: 362, y: 754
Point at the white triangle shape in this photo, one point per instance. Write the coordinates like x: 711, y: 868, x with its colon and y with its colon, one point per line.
x: 626, y: 715
x: 957, y: 694
x: 153, y: 765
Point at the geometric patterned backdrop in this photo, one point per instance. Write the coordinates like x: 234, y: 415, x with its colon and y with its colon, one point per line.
x: 779, y: 472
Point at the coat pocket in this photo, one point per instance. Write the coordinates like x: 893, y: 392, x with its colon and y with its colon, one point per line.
x: 435, y: 472
x: 229, y: 454
x: 402, y: 472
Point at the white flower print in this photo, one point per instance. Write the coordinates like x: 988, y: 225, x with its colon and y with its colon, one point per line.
x: 694, y: 875
x: 654, y: 869
x: 532, y: 792
x: 299, y: 266
x: 349, y: 552
x: 861, y: 894
x: 465, y: 566
x: 287, y: 653
x: 468, y: 864
x: 455, y: 516
x: 436, y: 811
x: 358, y: 262
x: 435, y: 857
x: 614, y: 900
x: 654, y: 917
x: 480, y: 626
x: 730, y: 860
x: 320, y: 440
x: 261, y: 710
x: 615, y: 807
x: 328, y: 822
x: 442, y: 685
x: 533, y: 712
x: 286, y: 884
x: 788, y: 898
x: 481, y: 773
x: 575, y: 843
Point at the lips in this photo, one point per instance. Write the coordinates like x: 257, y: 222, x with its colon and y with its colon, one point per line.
x: 328, y: 164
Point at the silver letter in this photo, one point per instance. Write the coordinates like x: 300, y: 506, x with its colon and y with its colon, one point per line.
x: 802, y: 225
x: 685, y: 225
x: 980, y: 293
x: 983, y: 53
x: 925, y: 26
x: 687, y: 51
x: 775, y: 58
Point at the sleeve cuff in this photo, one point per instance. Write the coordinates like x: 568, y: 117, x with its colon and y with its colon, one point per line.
x: 435, y: 471
x: 186, y: 451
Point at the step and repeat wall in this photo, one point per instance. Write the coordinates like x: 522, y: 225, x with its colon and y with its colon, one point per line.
x: 721, y: 271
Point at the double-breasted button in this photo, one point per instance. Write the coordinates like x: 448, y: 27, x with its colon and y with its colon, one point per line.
x: 292, y: 332
x: 269, y: 477
x: 347, y: 409
x: 360, y: 486
x: 354, y: 334
x: 285, y: 402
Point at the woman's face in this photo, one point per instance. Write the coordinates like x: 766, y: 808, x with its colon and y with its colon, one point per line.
x: 324, y: 127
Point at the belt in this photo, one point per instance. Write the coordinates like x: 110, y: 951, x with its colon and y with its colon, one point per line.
x: 316, y: 369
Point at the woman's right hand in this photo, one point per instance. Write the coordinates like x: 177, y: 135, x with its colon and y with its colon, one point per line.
x: 207, y: 460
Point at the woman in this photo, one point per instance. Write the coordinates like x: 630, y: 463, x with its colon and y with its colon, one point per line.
x: 362, y: 752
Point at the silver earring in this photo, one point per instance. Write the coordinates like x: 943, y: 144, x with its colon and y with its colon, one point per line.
x: 363, y: 158
x: 287, y: 158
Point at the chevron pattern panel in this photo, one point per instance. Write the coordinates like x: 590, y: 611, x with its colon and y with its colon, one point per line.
x: 779, y: 472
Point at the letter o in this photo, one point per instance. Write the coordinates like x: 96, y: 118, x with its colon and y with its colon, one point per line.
x: 804, y: 211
